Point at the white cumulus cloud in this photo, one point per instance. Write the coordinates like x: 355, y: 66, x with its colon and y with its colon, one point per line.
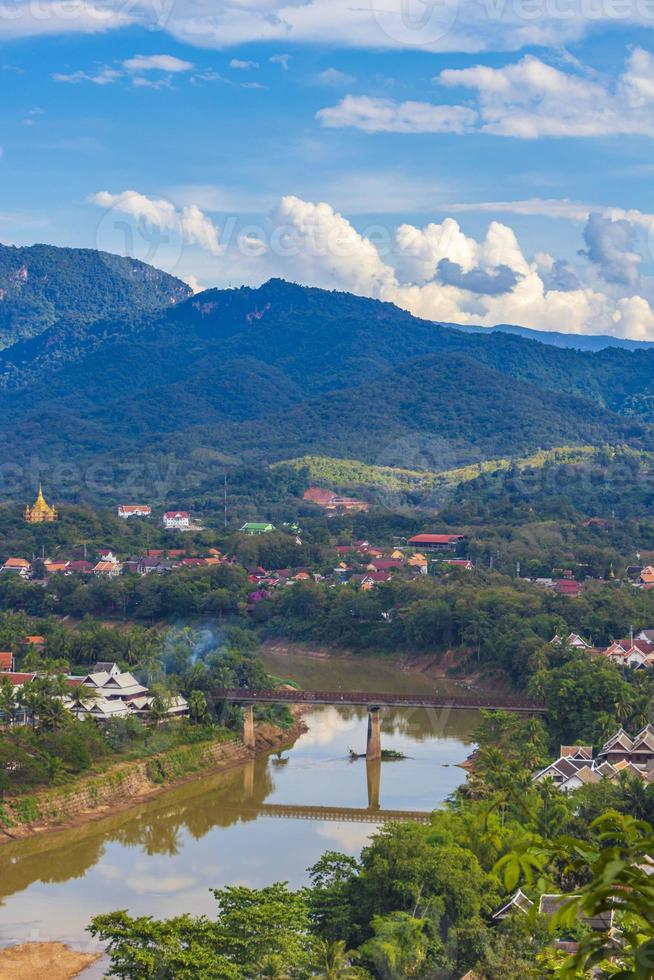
x: 374, y: 115
x: 527, y: 99
x: 156, y: 62
x: 137, y: 68
x: 190, y: 222
x: 436, y: 271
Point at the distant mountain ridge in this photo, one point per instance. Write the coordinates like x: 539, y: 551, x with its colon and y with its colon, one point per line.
x: 43, y: 284
x: 578, y: 341
x: 261, y: 375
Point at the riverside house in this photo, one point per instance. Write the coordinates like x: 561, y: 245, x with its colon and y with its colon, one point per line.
x: 620, y: 754
x: 119, y: 694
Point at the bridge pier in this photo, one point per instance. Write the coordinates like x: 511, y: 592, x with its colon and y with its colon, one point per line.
x: 248, y: 726
x: 373, y: 776
x: 373, y: 747
x: 248, y: 779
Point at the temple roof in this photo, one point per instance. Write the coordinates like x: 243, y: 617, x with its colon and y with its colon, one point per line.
x: 41, y: 510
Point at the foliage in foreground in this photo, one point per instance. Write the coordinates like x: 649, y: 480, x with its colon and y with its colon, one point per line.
x: 419, y: 902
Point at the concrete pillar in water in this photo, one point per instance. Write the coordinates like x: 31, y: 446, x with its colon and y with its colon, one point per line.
x: 373, y: 748
x: 248, y: 726
x: 373, y: 774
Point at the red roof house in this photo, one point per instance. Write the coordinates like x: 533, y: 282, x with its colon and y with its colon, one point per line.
x: 436, y: 541
x: 17, y: 679
x: 567, y: 586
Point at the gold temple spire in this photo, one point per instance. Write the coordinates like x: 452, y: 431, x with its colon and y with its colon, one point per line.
x: 41, y: 511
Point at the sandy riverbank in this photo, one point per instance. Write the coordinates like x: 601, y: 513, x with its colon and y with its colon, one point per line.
x: 34, y: 961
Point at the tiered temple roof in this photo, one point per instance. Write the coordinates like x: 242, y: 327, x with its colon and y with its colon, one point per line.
x: 41, y: 511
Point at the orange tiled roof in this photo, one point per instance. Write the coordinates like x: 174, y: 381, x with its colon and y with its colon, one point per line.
x: 17, y: 563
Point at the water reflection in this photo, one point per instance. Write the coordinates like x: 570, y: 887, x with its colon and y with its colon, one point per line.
x: 163, y: 856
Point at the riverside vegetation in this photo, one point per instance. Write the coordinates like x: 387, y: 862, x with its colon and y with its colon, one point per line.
x: 106, y: 356
x: 419, y: 902
x: 55, y: 749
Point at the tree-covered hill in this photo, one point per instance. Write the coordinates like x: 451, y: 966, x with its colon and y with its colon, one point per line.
x: 435, y: 413
x: 258, y: 375
x: 41, y: 285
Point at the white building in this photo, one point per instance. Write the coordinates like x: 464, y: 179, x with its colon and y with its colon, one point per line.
x: 134, y: 510
x: 177, y: 519
x: 119, y: 694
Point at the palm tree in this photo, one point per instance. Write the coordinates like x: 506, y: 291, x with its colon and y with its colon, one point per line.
x: 81, y: 696
x: 334, y: 961
x: 623, y: 709
x: 273, y: 968
x: 52, y: 713
x: 640, y: 711
x: 29, y: 698
x: 604, y: 724
x: 159, y: 708
x: 635, y: 797
x: 197, y: 704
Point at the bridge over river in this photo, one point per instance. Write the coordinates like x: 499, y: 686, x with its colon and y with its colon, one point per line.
x: 373, y: 701
x: 339, y: 814
x: 490, y: 702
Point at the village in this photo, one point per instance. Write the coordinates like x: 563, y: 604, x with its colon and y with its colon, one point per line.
x: 621, y: 755
x: 102, y: 694
x: 368, y: 565
x: 357, y: 564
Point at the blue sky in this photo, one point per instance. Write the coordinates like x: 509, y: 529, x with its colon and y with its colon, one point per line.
x: 470, y: 162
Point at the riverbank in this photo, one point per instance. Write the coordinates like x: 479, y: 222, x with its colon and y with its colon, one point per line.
x: 429, y: 667
x: 33, y: 961
x: 128, y: 784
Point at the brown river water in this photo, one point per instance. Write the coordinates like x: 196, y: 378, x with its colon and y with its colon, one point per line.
x: 251, y: 825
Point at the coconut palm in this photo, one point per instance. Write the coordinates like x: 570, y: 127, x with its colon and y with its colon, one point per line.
x: 51, y: 713
x: 82, y: 697
x: 334, y: 961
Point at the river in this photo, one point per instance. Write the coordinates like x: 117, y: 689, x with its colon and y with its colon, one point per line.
x: 163, y: 857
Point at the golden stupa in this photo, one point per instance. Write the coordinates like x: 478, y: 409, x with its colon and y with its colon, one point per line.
x: 41, y: 511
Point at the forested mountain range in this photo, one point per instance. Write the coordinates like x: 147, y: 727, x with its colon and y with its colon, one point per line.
x: 578, y: 341
x: 41, y: 285
x: 262, y: 375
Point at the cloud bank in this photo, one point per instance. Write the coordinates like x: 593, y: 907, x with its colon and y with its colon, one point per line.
x: 528, y: 99
x: 448, y: 26
x: 435, y: 271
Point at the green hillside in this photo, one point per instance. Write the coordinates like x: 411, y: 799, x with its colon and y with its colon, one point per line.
x: 256, y: 376
x: 352, y: 475
x: 41, y: 285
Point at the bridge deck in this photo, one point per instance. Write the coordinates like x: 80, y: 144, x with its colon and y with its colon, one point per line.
x: 330, y: 813
x: 371, y: 699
